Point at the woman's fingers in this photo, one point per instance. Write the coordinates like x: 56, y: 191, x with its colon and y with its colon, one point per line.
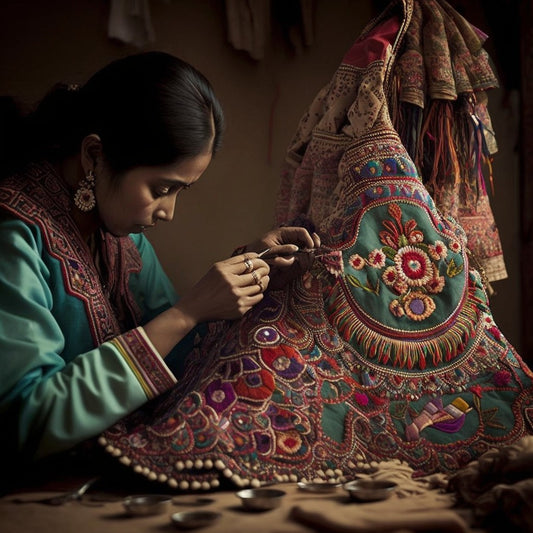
x: 246, y: 264
x: 257, y: 285
x: 256, y: 278
x: 296, y: 235
x: 281, y: 250
x: 246, y: 272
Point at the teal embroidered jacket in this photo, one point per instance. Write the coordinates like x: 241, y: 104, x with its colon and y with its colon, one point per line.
x: 74, y: 357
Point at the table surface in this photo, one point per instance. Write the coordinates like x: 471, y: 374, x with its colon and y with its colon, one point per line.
x: 99, y: 511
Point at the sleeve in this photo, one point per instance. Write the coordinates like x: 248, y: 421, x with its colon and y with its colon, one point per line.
x: 49, y: 404
x: 154, y: 292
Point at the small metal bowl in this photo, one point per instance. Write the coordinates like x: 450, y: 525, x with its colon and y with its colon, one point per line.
x: 194, y: 519
x: 317, y: 486
x: 369, y: 490
x: 147, y: 504
x: 261, y: 499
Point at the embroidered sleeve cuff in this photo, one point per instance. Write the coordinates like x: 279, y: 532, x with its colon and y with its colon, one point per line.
x: 137, y: 350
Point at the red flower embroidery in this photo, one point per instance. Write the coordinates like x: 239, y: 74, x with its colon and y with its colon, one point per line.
x: 414, y: 266
x: 390, y: 276
x: 356, y: 262
x: 376, y: 258
x: 477, y: 390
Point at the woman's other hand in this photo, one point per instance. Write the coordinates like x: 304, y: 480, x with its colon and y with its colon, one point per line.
x: 228, y: 290
x: 283, y: 244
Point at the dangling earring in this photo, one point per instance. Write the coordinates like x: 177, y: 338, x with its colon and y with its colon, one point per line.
x: 84, y: 198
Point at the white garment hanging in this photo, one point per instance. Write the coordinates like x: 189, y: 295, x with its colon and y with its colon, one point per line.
x: 130, y: 22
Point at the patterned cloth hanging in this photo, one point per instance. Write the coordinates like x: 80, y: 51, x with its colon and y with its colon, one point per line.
x: 386, y: 349
x: 437, y: 96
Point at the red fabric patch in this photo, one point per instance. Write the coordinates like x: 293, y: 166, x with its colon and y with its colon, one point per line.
x: 374, y: 45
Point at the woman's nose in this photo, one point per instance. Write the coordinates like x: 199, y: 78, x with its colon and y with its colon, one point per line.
x: 166, y: 208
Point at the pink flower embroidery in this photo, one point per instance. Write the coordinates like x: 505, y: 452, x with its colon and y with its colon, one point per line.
x: 454, y: 246
x: 502, y: 378
x: 390, y: 276
x: 333, y: 262
x: 435, y: 284
x: 400, y: 287
x: 360, y: 398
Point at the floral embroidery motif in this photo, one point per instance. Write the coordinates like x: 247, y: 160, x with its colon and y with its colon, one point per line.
x: 411, y: 266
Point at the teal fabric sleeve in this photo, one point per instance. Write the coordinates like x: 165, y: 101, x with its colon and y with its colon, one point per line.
x: 51, y: 399
x: 154, y: 292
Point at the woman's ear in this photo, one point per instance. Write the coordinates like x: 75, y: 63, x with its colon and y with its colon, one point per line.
x: 91, y: 153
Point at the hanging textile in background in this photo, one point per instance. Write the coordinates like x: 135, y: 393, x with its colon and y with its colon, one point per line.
x: 386, y: 349
x: 250, y: 24
x: 437, y: 95
x: 130, y: 22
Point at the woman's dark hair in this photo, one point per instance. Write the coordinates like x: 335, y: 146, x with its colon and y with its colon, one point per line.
x: 148, y: 109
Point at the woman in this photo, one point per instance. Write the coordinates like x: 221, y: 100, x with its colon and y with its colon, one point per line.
x: 88, y: 319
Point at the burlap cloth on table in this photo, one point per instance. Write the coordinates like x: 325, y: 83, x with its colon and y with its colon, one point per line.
x: 420, y: 504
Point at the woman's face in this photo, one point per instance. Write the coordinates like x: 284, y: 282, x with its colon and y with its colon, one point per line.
x: 144, y: 195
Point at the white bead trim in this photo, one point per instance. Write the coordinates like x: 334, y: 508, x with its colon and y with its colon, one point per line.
x: 330, y: 475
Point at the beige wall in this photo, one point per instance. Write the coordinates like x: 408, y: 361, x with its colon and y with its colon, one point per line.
x: 43, y: 42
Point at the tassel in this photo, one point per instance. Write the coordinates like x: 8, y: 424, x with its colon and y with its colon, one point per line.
x: 437, y: 156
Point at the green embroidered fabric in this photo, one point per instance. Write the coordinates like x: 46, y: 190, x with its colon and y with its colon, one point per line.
x: 385, y: 349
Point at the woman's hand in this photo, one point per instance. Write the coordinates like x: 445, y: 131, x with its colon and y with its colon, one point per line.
x: 285, y: 256
x: 228, y: 290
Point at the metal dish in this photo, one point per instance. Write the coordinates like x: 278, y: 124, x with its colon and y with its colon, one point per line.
x: 194, y: 519
x: 369, y: 490
x: 147, y: 504
x: 260, y: 499
x: 317, y: 486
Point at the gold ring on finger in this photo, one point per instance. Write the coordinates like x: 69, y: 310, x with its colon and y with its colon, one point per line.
x: 255, y: 276
x: 248, y: 264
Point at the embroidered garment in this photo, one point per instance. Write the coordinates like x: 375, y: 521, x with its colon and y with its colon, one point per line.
x: 386, y: 349
x: 436, y: 88
x: 74, y: 358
